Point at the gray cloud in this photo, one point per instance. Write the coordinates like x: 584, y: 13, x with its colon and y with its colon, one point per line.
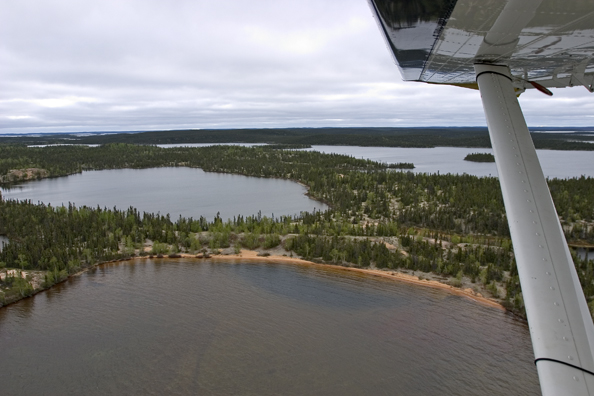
x: 70, y: 65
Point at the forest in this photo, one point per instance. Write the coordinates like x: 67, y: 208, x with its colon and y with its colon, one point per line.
x: 451, y: 225
x: 544, y: 138
x: 480, y: 157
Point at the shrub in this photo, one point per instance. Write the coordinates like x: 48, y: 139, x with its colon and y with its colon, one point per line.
x: 271, y: 240
x: 251, y: 240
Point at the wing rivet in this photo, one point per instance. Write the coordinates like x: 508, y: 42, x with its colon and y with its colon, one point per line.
x: 548, y: 273
x: 560, y: 320
x: 552, y: 288
x: 570, y: 357
x: 540, y: 246
x: 534, y: 222
x: 575, y: 378
x: 556, y: 304
x: 528, y: 200
x: 564, y: 338
x: 544, y: 259
x: 537, y: 234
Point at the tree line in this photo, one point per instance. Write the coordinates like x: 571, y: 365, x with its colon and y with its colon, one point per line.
x: 356, y: 188
x: 453, y: 225
x: 553, y: 138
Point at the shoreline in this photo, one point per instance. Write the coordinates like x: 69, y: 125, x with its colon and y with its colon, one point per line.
x: 252, y: 255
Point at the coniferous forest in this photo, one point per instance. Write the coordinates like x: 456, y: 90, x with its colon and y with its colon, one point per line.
x: 480, y: 157
x: 453, y: 226
x: 543, y: 137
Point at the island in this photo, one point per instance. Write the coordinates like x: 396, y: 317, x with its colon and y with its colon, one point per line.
x: 480, y: 157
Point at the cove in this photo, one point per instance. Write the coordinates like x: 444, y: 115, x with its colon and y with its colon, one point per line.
x: 198, y: 327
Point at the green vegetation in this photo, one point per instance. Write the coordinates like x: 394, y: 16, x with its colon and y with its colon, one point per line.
x: 294, y: 146
x: 480, y: 157
x: 453, y: 226
x: 372, y: 137
x: 402, y: 165
x: 258, y: 161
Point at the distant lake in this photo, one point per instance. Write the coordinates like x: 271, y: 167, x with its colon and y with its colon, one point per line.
x: 555, y: 163
x: 559, y: 164
x: 189, y: 327
x: 209, y: 144
x: 189, y: 192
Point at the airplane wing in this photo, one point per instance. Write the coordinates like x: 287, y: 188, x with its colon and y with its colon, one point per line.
x: 439, y: 41
x: 503, y: 47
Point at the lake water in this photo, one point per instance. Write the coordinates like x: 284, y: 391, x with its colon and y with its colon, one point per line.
x: 209, y: 144
x: 585, y: 253
x: 555, y: 163
x: 559, y: 164
x: 181, y: 327
x: 189, y: 192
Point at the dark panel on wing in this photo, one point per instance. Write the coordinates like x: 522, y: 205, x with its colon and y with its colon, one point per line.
x: 439, y: 41
x: 411, y: 28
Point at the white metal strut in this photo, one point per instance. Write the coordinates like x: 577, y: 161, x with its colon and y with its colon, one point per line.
x: 560, y: 324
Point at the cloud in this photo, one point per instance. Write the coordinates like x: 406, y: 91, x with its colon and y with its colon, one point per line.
x: 77, y: 65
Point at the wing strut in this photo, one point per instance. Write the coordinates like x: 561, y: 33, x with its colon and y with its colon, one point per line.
x: 560, y: 323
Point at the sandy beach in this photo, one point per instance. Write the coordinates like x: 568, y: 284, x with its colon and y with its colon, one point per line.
x: 251, y: 255
x: 37, y: 277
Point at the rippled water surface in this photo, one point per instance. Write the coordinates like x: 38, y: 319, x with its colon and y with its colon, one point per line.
x: 185, y: 327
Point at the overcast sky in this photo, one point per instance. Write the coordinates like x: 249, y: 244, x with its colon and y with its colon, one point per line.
x: 79, y: 65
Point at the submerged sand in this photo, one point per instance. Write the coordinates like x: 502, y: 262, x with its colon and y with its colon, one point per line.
x: 251, y: 255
